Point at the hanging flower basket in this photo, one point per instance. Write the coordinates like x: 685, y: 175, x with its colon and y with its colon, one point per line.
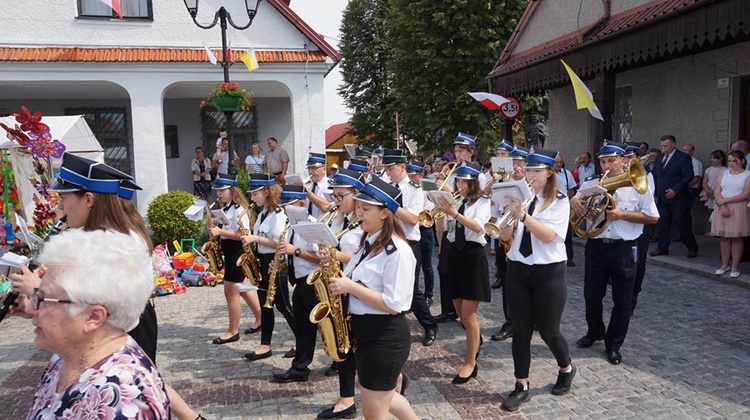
x: 228, y: 97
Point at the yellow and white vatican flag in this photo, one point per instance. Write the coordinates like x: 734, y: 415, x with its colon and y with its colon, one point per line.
x: 584, y: 98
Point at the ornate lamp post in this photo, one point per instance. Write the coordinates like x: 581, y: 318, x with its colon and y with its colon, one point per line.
x: 223, y: 17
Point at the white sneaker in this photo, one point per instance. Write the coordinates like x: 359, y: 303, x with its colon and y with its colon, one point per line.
x: 734, y: 274
x: 242, y: 287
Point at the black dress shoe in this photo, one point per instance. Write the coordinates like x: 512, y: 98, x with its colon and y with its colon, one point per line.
x: 446, y: 317
x: 458, y: 380
x: 659, y: 252
x: 430, y: 335
x: 614, y: 357
x: 570, y: 263
x: 587, y: 341
x: 348, y: 413
x: 219, y: 340
x: 497, y: 284
x: 332, y: 370
x: 502, y: 335
x: 290, y: 376
x: 257, y: 356
x: 291, y: 353
x: 252, y: 330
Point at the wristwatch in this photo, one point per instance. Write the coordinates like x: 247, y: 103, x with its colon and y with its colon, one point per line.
x: 297, y: 252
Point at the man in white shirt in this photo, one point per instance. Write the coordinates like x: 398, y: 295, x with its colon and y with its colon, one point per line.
x: 695, y: 183
x: 566, y: 184
x: 221, y: 158
x: 587, y: 168
x: 318, y: 186
x: 394, y: 162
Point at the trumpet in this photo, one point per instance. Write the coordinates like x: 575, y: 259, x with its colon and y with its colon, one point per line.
x: 495, y: 230
x: 427, y: 218
x: 446, y: 173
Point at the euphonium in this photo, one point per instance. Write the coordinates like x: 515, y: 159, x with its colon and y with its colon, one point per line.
x: 212, y: 248
x: 597, y: 204
x: 427, y: 218
x: 273, y: 277
x: 333, y: 323
x: 248, y: 261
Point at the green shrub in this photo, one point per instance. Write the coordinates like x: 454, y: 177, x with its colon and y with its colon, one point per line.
x: 243, y: 180
x: 167, y: 221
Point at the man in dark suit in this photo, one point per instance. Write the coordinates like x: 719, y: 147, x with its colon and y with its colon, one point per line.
x: 673, y: 171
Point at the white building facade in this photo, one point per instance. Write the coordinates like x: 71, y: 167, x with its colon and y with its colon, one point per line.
x: 140, y: 80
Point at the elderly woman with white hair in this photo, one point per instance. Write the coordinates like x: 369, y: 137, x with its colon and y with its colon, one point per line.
x: 82, y: 316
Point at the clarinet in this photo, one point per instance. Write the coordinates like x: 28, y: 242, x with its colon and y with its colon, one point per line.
x: 11, y: 299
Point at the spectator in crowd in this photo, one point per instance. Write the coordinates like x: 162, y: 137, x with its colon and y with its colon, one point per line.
x: 652, y: 154
x: 718, y: 166
x: 255, y: 162
x: 221, y: 159
x: 222, y: 135
x: 673, y: 171
x: 730, y: 222
x: 644, y: 149
x: 743, y: 147
x: 333, y: 170
x: 277, y: 161
x: 566, y: 184
x: 587, y: 168
x: 574, y: 172
x: 201, y: 168
x: 695, y: 184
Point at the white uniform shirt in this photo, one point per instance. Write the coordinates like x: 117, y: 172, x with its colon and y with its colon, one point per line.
x: 390, y: 272
x: 412, y: 198
x: 479, y: 212
x: 565, y: 181
x: 383, y: 175
x: 270, y: 228
x: 302, y: 267
x: 349, y: 243
x: 555, y: 217
x: 323, y: 188
x: 697, y: 170
x: 627, y: 199
x: 232, y: 211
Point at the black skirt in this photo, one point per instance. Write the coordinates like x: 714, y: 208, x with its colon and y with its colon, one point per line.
x: 146, y: 332
x: 383, y: 345
x: 468, y: 273
x: 232, y: 250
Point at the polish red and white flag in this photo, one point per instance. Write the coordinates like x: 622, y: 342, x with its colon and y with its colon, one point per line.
x: 489, y: 100
x: 115, y: 6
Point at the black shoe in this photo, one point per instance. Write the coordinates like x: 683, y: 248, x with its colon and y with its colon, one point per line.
x: 458, y: 380
x: 219, y: 340
x: 587, y: 341
x: 497, y: 284
x: 614, y: 357
x: 349, y: 413
x: 570, y: 263
x: 291, y: 353
x: 515, y: 398
x: 290, y: 376
x: 562, y: 386
x: 633, y: 303
x: 252, y: 330
x: 333, y: 370
x: 502, y: 335
x: 446, y: 317
x: 257, y: 356
x: 430, y: 335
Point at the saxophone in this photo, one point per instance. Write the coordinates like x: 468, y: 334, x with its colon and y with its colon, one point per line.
x: 334, y: 325
x: 248, y: 261
x: 212, y: 248
x: 272, y: 278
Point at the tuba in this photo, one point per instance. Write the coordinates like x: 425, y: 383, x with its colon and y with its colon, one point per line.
x: 248, y: 261
x: 212, y: 248
x: 329, y: 314
x: 273, y: 277
x: 593, y: 221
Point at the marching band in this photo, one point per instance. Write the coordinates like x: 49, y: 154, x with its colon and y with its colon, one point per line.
x: 356, y: 293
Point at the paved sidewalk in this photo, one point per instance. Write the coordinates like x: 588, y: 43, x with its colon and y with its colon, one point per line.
x: 687, y: 355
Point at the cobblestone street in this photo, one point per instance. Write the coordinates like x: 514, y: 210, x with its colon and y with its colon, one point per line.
x: 687, y: 355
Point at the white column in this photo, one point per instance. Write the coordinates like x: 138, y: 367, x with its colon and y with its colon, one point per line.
x: 308, y: 121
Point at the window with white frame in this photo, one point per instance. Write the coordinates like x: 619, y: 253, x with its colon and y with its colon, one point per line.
x: 131, y: 9
x: 622, y: 119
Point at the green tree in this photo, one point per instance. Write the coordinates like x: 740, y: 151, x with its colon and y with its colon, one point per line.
x: 441, y: 51
x: 365, y: 72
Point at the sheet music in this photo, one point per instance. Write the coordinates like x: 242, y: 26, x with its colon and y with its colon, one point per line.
x: 433, y: 196
x: 293, y: 179
x: 315, y: 233
x: 219, y: 217
x: 502, y: 164
x: 502, y: 192
x: 296, y: 214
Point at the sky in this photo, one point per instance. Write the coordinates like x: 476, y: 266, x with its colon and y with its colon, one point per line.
x: 324, y: 16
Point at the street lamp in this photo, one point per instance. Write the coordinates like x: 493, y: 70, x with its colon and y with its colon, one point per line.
x: 223, y: 17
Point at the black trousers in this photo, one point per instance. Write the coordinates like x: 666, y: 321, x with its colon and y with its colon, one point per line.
x: 680, y: 212
x: 569, y: 242
x: 347, y: 372
x: 640, y: 265
x: 418, y: 303
x: 501, y: 262
x: 147, y: 331
x: 281, y: 301
x: 305, y: 332
x: 427, y: 243
x: 446, y: 304
x: 538, y: 293
x: 604, y: 261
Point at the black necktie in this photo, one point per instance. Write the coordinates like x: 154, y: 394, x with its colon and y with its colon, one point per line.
x: 526, y: 238
x: 664, y: 161
x: 364, y: 254
x: 346, y: 222
x: 395, y: 184
x: 310, y: 206
x: 460, y: 233
x: 263, y: 216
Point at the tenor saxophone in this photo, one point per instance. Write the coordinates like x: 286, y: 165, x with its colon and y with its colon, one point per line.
x: 212, y: 248
x: 248, y: 261
x: 273, y: 277
x: 334, y: 325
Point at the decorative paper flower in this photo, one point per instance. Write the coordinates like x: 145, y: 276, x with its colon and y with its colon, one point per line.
x: 43, y: 146
x: 30, y: 122
x: 16, y: 134
x: 228, y: 89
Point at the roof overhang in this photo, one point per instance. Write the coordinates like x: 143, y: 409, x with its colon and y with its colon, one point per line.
x: 654, y: 32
